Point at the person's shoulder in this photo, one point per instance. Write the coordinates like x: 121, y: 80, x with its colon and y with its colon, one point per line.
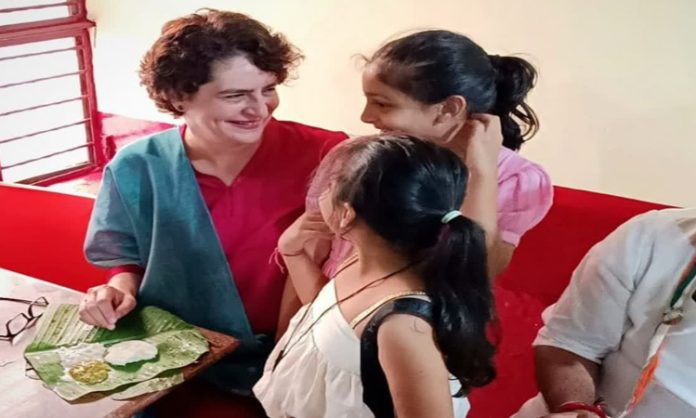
x: 512, y: 164
x: 660, y: 228
x: 660, y: 218
x: 525, y: 192
x: 679, y: 216
x: 407, y: 347
x: 401, y: 330
x: 665, y: 223
x: 151, y: 146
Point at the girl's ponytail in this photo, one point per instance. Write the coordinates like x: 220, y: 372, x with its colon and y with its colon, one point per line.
x: 456, y: 279
x: 515, y: 78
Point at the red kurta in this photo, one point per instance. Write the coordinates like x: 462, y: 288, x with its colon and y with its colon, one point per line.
x: 250, y: 214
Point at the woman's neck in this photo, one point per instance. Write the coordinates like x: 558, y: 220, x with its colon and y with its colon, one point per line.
x: 220, y: 158
x: 214, y: 149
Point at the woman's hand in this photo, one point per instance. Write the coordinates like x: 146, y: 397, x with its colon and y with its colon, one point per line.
x: 103, y: 305
x: 478, y: 143
x: 310, y: 226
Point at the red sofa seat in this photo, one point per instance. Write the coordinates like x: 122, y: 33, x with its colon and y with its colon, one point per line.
x: 538, y: 274
x: 42, y: 234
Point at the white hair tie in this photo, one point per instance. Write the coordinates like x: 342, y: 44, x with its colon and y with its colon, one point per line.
x: 450, y: 215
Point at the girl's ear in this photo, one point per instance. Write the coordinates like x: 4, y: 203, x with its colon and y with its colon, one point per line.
x: 346, y: 218
x: 452, y: 109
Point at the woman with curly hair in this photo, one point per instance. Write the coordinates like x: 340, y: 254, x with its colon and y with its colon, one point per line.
x: 186, y: 219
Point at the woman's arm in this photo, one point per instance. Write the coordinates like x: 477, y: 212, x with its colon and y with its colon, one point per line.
x: 414, y: 367
x: 111, y: 243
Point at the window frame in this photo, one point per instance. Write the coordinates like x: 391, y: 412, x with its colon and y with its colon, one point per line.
x: 76, y: 26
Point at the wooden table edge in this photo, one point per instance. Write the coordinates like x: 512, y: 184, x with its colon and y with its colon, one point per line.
x: 137, y: 404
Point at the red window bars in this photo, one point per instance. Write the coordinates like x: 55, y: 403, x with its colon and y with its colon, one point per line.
x: 49, y: 129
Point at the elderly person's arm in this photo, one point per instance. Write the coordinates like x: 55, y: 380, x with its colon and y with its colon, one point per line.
x: 565, y: 377
x: 588, y: 321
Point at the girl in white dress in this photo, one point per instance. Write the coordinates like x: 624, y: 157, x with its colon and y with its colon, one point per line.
x: 400, y: 330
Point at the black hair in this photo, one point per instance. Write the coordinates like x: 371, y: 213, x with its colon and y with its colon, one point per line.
x: 431, y: 66
x: 401, y: 187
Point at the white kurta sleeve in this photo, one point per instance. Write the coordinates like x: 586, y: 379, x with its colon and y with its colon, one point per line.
x: 591, y: 316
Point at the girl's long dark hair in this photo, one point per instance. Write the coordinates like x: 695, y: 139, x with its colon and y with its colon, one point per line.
x: 402, y: 187
x: 432, y: 65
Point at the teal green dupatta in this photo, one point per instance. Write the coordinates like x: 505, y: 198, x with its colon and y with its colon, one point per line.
x: 150, y: 212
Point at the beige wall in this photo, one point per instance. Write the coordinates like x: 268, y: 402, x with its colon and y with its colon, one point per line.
x: 616, y: 95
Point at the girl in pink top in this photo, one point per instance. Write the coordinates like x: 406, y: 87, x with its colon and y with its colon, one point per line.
x: 442, y: 86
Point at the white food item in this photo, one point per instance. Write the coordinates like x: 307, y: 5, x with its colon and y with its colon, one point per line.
x: 72, y: 356
x: 129, y: 352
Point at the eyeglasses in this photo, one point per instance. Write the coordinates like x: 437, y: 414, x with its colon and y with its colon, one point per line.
x: 25, y: 320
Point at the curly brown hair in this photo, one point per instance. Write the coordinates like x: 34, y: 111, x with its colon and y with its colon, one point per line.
x: 180, y: 61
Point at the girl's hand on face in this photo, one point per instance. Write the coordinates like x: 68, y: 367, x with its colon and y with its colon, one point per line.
x: 308, y: 227
x: 478, y: 143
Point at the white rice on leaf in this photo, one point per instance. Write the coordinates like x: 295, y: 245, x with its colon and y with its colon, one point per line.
x: 83, y: 352
x: 178, y: 344
x: 127, y: 352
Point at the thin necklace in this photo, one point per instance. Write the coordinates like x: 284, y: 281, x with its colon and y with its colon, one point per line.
x: 287, y: 347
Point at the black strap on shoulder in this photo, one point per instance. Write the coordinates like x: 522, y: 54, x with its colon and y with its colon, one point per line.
x: 376, y: 393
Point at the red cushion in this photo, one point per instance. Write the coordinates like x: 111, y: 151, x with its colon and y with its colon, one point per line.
x: 543, y: 263
x: 42, y: 234
x: 538, y: 274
